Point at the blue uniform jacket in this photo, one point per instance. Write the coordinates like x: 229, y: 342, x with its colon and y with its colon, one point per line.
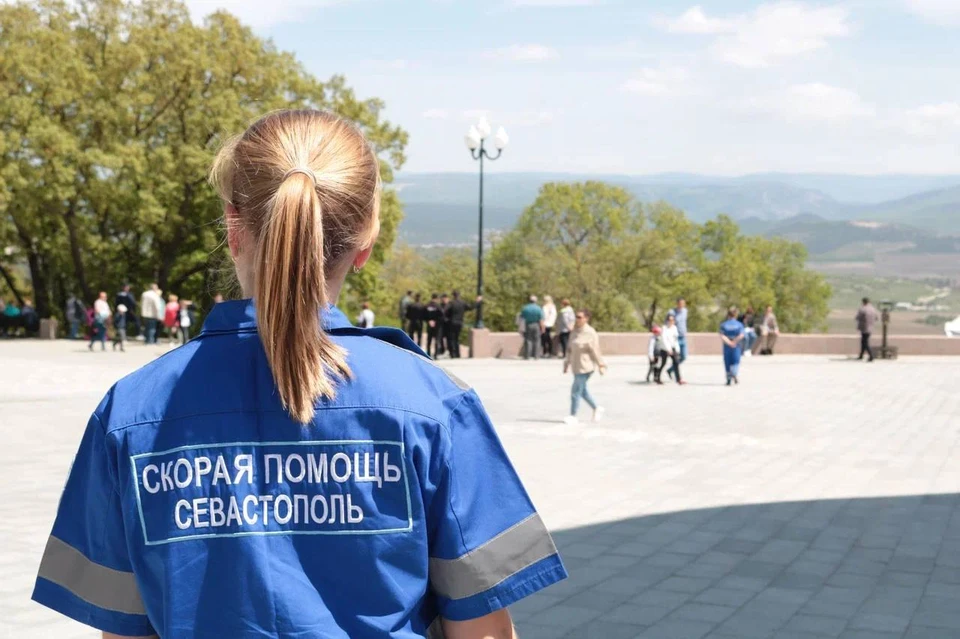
x: 197, y: 508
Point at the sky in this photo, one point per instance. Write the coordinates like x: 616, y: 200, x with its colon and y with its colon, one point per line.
x: 723, y: 87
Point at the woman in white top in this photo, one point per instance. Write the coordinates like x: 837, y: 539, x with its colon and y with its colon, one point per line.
x: 549, y: 320
x: 670, y: 338
x: 365, y: 320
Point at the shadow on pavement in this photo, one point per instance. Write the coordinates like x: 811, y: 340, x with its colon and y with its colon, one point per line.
x: 873, y: 568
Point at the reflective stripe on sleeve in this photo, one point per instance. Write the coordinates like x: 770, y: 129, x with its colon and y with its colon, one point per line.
x: 508, y: 553
x: 103, y: 587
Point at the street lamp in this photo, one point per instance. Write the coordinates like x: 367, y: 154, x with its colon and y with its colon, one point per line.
x: 475, y: 138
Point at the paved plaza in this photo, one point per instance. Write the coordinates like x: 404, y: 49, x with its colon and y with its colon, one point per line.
x: 817, y: 499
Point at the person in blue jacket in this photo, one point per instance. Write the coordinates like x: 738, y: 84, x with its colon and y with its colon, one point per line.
x: 731, y: 334
x: 286, y: 474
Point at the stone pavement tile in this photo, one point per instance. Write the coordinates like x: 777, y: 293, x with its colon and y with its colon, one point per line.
x: 660, y: 598
x: 639, y: 616
x: 880, y: 622
x: 725, y: 596
x: 762, y: 569
x: 533, y: 631
x: 798, y: 581
x: 631, y: 585
x: 943, y: 590
x: 938, y: 612
x: 597, y: 599
x: 871, y: 634
x: 691, y: 585
x: 748, y: 626
x: 850, y: 580
x: 817, y: 624
x: 912, y: 564
x: 740, y: 582
x: 923, y: 632
x: 532, y: 605
x: 779, y: 551
x: 602, y: 630
x: 677, y: 630
x: 564, y: 617
x: 896, y: 578
x: 702, y: 612
x: 942, y: 575
x: 740, y: 546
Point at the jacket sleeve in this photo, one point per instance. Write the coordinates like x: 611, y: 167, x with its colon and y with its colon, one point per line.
x: 86, y: 572
x: 488, y: 547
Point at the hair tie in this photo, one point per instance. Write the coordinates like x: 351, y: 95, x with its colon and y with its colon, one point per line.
x: 301, y: 169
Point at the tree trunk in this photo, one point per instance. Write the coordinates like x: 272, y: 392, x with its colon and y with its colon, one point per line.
x: 76, y: 253
x: 41, y: 293
x: 10, y: 283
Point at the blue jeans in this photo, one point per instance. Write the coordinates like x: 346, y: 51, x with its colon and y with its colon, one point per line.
x: 579, y: 390
x: 151, y: 335
x: 749, y: 339
x: 682, y: 342
x: 74, y: 329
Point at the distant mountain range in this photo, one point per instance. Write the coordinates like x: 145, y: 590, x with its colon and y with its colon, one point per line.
x: 836, y: 216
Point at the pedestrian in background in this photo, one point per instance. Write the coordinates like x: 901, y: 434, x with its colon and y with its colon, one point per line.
x: 680, y: 317
x: 152, y: 309
x: 671, y: 346
x: 565, y: 321
x: 125, y: 298
x: 532, y: 316
x: 171, y: 317
x: 414, y: 320
x: 433, y: 318
x: 366, y: 318
x: 74, y: 311
x: 101, y: 316
x: 732, y: 334
x: 867, y: 316
x: 549, y: 320
x: 120, y: 328
x: 583, y: 357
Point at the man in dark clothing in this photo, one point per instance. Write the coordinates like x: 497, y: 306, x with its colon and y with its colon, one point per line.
x: 125, y: 298
x: 414, y: 320
x: 433, y: 317
x: 405, y: 302
x: 74, y: 312
x: 867, y: 316
x: 442, y: 324
x: 455, y: 312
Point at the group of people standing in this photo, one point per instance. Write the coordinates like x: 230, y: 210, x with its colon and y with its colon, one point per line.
x: 441, y: 318
x: 175, y: 316
x: 18, y: 319
x: 668, y: 343
x: 537, y: 323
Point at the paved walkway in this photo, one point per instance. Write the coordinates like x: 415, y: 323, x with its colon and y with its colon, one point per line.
x: 817, y: 499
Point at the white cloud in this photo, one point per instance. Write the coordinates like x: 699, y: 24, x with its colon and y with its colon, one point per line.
x: 694, y: 20
x: 657, y: 82
x: 933, y: 119
x: 936, y: 11
x: 814, y: 101
x: 767, y: 35
x: 253, y: 12
x: 522, y: 53
x: 435, y: 114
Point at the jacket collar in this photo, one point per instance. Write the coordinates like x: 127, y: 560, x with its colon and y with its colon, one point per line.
x: 240, y: 316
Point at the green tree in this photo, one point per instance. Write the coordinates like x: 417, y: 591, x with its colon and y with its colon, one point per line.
x: 117, y: 108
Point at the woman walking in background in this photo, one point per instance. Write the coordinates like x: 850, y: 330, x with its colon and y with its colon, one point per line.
x: 549, y: 320
x: 565, y: 323
x: 670, y: 342
x: 101, y: 315
x: 732, y: 333
x: 171, y: 317
x: 584, y: 357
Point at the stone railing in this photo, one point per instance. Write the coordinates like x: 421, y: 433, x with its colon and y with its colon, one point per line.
x: 484, y: 343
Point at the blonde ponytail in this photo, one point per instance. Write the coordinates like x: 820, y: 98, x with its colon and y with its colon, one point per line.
x: 306, y: 185
x: 290, y: 290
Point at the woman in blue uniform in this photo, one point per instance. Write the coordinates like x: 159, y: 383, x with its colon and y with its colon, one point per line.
x: 732, y: 333
x: 286, y: 474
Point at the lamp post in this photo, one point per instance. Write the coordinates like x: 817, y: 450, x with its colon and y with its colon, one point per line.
x: 475, y: 140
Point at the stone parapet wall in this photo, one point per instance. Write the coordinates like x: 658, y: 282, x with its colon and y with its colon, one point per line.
x: 484, y: 343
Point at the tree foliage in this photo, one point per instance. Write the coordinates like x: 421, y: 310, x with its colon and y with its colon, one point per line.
x: 629, y: 262
x: 113, y: 112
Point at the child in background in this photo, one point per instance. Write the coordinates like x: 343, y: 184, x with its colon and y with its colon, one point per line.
x: 120, y: 328
x: 653, y: 351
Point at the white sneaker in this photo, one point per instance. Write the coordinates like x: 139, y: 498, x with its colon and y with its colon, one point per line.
x: 748, y: 354
x: 598, y: 414
x: 571, y: 420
